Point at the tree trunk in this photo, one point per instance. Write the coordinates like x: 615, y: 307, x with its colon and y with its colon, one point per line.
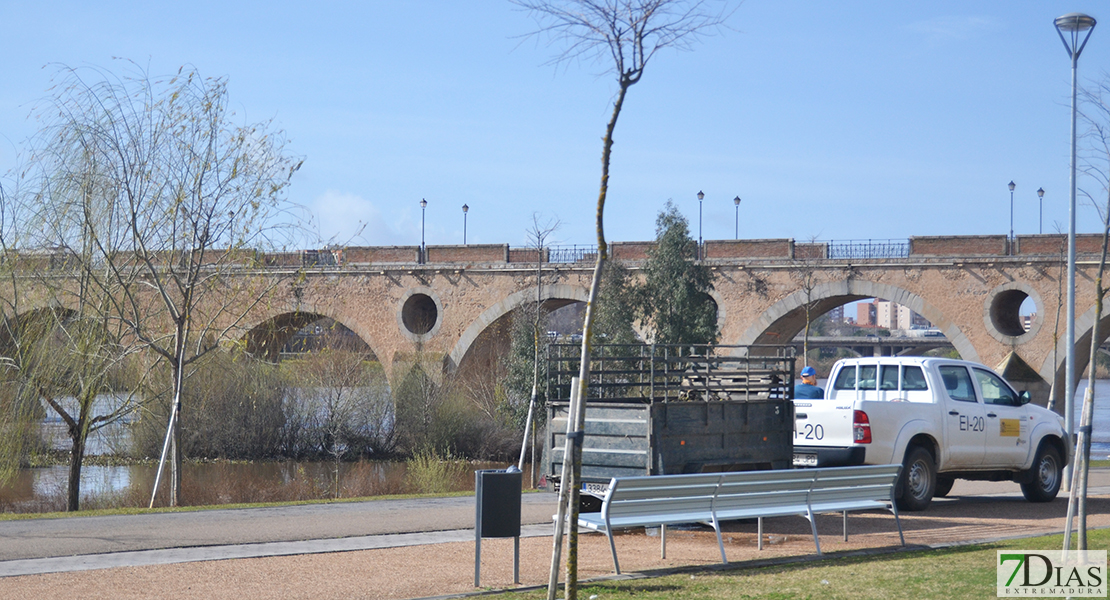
x: 76, y: 459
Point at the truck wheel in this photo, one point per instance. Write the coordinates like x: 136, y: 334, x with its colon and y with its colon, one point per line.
x: 944, y: 485
x: 1047, y: 474
x: 917, y: 481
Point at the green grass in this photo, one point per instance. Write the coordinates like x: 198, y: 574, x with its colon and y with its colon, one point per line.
x: 954, y: 573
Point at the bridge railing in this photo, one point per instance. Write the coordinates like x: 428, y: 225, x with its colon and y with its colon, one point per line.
x: 571, y: 254
x: 868, y: 249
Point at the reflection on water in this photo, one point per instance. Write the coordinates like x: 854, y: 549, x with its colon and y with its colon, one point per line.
x: 44, y: 489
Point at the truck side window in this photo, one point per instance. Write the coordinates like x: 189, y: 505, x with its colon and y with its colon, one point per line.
x: 888, y: 379
x: 958, y: 383
x: 995, y: 391
x: 845, y: 379
x: 867, y: 378
x: 913, y: 379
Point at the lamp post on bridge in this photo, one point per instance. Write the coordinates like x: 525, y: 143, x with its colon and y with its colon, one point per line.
x: 423, y: 205
x: 1040, y: 210
x: 701, y: 196
x: 736, y: 201
x: 465, y: 209
x: 1074, y: 24
x: 1010, y: 240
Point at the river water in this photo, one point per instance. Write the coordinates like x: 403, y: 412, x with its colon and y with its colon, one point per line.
x: 42, y: 489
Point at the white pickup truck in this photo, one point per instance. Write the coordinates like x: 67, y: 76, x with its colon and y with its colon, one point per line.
x: 942, y: 419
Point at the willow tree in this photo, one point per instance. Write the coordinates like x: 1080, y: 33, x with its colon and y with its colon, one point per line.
x: 624, y: 35
x: 181, y: 196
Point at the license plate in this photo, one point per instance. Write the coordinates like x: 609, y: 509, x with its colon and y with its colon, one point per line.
x: 805, y: 460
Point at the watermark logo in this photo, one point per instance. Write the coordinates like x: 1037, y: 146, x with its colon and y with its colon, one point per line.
x: 1051, y: 573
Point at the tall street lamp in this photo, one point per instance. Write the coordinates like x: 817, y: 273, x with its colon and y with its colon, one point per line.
x: 701, y: 196
x: 1011, y: 238
x: 423, y: 205
x: 1040, y: 210
x: 465, y: 209
x: 736, y: 201
x: 1074, y: 24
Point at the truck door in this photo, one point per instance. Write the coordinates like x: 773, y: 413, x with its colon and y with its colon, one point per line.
x: 965, y: 422
x: 1007, y: 434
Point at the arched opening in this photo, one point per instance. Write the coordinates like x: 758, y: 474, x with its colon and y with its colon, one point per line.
x: 294, y: 334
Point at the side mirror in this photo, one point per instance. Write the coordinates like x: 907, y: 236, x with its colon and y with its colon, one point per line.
x: 1023, y: 398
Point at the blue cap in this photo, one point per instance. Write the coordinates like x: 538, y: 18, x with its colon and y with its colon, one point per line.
x: 809, y: 372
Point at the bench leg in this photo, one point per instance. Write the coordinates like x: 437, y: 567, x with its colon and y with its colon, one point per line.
x: 613, y: 548
x: 663, y: 541
x: 894, y: 509
x: 813, y: 525
x: 720, y: 542
x: 759, y: 533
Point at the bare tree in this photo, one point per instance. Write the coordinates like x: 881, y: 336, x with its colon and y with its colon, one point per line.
x: 185, y: 195
x: 806, y: 273
x: 537, y: 241
x: 1096, y: 159
x: 625, y: 35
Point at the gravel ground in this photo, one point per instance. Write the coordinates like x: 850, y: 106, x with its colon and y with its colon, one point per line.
x: 445, y: 569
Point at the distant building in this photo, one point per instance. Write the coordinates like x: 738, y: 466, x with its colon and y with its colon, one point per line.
x: 1027, y: 321
x: 888, y: 315
x: 866, y: 314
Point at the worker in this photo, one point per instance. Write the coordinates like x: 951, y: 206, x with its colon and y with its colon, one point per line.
x: 808, y: 387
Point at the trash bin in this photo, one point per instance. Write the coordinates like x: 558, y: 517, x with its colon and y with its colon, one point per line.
x: 497, y: 496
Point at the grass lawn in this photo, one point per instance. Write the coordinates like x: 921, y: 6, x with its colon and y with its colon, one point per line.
x: 953, y: 573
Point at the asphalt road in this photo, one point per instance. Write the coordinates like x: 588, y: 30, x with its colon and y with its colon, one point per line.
x: 46, y: 538
x: 41, y: 538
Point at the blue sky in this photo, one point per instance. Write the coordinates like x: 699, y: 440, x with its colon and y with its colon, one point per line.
x: 830, y: 120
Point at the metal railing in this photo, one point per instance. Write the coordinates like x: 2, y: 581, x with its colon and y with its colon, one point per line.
x: 868, y: 249
x: 571, y: 254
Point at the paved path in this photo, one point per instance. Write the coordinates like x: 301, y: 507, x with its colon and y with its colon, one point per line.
x: 84, y: 543
x: 46, y: 545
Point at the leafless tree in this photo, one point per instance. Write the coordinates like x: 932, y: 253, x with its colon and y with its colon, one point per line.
x: 624, y: 35
x: 183, y: 198
x: 538, y: 235
x: 806, y: 273
x: 1096, y: 161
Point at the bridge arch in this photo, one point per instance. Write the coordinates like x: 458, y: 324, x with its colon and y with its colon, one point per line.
x: 560, y: 294
x: 265, y: 339
x: 1056, y: 371
x: 786, y: 318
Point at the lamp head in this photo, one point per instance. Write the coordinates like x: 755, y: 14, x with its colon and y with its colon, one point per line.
x: 1040, y: 192
x: 465, y: 208
x: 423, y: 203
x: 700, y: 196
x: 736, y: 201
x: 1012, y: 186
x: 1075, y: 22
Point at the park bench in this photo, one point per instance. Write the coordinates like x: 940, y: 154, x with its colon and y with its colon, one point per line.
x: 662, y: 500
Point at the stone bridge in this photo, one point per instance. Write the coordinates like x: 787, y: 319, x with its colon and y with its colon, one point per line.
x: 453, y: 302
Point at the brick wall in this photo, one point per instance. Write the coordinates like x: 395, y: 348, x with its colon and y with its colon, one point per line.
x: 807, y: 251
x: 749, y: 248
x: 968, y: 245
x: 1056, y: 244
x: 630, y: 250
x: 471, y: 253
x: 527, y: 255
x: 381, y: 254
